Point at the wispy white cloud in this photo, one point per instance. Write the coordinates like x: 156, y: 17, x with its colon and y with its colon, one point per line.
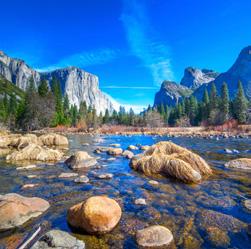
x: 85, y: 58
x: 144, y: 42
x: 116, y: 104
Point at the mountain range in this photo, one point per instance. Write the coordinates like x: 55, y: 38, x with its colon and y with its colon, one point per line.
x: 195, y: 81
x: 78, y: 84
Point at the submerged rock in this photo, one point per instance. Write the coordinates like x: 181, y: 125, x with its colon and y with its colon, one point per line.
x: 80, y: 159
x: 59, y: 240
x: 15, y: 209
x: 33, y: 152
x: 217, y: 237
x: 210, y: 218
x: 172, y: 160
x: 240, y: 163
x: 98, y: 214
x: 154, y: 237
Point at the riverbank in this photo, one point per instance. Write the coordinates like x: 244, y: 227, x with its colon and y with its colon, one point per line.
x: 204, y: 132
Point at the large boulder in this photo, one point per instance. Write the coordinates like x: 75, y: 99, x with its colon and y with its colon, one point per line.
x: 98, y: 214
x: 22, y: 141
x: 240, y: 163
x: 53, y: 139
x: 6, y: 140
x: 58, y: 239
x: 155, y: 237
x: 169, y: 159
x: 34, y: 152
x: 15, y: 210
x: 80, y: 159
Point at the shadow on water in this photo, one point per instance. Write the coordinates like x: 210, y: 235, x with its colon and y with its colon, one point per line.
x: 171, y: 203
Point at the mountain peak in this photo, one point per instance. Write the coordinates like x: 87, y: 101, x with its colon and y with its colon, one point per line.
x: 78, y: 84
x: 195, y: 77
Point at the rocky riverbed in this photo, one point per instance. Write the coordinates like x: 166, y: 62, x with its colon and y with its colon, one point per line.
x: 214, y: 213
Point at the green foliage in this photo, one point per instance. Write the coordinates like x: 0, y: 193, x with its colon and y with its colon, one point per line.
x: 43, y: 88
x: 240, y: 105
x: 224, y: 106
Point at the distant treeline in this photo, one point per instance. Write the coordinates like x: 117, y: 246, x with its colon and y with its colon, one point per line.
x: 47, y: 107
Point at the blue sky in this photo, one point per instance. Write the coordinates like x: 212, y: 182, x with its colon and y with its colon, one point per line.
x: 131, y: 45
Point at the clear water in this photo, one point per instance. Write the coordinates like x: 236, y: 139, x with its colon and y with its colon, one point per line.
x: 171, y: 203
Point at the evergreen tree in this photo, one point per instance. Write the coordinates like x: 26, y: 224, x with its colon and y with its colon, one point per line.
x: 31, y: 86
x: 240, y: 105
x: 56, y: 89
x: 131, y: 117
x: 224, y: 107
x: 213, y: 98
x: 43, y: 88
x: 205, y: 107
x: 193, y: 110
x: 83, y: 110
x: 106, y: 117
x: 74, y: 115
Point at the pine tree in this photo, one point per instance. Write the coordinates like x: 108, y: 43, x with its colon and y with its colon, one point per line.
x: 240, y: 105
x: 43, y: 88
x: 106, y: 117
x: 131, y: 117
x: 205, y: 107
x: 224, y: 107
x: 56, y: 89
x: 83, y: 110
x: 213, y: 98
x: 193, y: 110
x: 31, y: 86
x: 187, y: 106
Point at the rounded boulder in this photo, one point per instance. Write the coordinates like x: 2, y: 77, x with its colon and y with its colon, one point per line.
x: 96, y: 215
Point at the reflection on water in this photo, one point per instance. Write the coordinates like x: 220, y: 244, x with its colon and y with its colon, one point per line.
x: 175, y: 205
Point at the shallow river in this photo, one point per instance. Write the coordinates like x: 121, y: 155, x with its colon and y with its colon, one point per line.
x: 175, y: 205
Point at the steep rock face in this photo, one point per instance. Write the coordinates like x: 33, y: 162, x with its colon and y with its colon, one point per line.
x: 194, y: 77
x: 170, y: 93
x: 76, y: 83
x: 241, y: 70
x: 17, y: 71
x: 80, y: 85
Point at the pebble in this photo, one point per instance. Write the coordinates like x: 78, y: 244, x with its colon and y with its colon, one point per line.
x: 82, y: 179
x: 32, y: 176
x: 140, y: 201
x: 153, y: 182
x: 105, y: 176
x: 247, y: 204
x: 25, y: 186
x: 67, y: 175
x: 32, y: 166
